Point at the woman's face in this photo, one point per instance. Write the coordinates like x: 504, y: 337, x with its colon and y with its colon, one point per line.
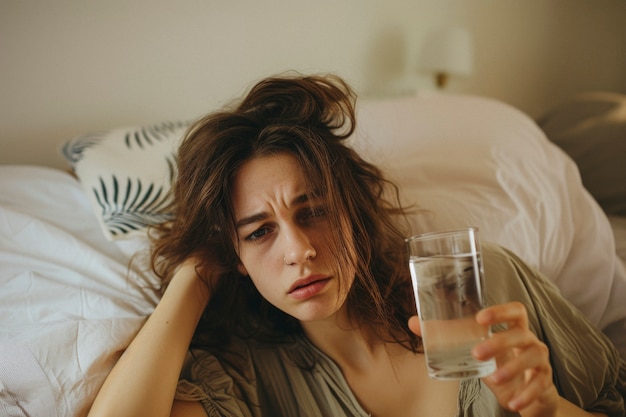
x: 283, y: 238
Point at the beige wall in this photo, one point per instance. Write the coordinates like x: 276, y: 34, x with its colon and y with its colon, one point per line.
x: 70, y: 67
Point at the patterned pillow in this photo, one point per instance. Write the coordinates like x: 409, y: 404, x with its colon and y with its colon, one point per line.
x: 127, y: 173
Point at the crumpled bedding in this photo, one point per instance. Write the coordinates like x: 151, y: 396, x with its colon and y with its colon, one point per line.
x: 68, y: 303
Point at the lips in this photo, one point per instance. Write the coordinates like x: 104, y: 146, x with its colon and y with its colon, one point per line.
x: 310, y: 281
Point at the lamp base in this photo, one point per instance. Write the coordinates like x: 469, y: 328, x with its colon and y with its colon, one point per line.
x: 441, y: 79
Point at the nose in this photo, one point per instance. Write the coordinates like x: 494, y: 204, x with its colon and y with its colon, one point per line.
x: 298, y: 247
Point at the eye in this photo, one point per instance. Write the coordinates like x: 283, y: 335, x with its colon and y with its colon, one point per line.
x: 314, y: 213
x: 258, y: 234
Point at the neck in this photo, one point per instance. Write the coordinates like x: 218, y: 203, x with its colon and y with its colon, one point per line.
x: 351, y: 345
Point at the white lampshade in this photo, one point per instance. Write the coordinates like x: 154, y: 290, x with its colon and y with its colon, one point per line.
x: 447, y: 51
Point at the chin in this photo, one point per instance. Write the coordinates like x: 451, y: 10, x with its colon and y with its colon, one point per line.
x: 317, y: 312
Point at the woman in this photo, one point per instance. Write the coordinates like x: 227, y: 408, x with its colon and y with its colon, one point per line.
x: 286, y: 272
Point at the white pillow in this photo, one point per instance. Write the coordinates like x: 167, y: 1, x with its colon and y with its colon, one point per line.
x: 126, y: 173
x: 475, y: 161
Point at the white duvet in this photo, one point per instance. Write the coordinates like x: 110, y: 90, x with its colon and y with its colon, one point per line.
x: 68, y: 305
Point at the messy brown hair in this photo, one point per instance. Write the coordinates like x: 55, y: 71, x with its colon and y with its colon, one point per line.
x: 310, y: 118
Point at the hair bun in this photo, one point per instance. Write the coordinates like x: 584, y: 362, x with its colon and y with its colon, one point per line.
x: 309, y: 101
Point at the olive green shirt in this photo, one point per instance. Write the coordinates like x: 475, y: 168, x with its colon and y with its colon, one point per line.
x: 297, y: 379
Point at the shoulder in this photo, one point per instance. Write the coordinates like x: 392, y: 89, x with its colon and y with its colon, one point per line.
x: 507, y: 275
x: 500, y: 259
x: 508, y: 278
x: 222, y: 381
x: 244, y: 364
x: 278, y: 378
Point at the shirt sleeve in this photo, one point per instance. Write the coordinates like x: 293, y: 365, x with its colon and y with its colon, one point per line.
x: 587, y: 368
x: 225, y: 386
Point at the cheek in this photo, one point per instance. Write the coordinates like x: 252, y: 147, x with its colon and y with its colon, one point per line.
x: 250, y: 258
x: 260, y: 268
x: 266, y: 283
x: 348, y: 281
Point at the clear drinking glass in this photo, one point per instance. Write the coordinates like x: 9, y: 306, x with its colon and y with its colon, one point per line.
x: 447, y: 275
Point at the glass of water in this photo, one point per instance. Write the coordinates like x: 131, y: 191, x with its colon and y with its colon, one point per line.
x: 447, y: 275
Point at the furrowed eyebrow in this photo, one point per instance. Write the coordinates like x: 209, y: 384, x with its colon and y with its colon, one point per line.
x: 302, y: 198
x: 251, y: 219
x: 257, y: 217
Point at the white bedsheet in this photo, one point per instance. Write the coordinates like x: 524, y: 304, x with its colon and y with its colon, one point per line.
x: 68, y: 303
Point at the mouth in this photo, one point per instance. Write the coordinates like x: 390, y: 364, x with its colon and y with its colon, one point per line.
x: 305, y: 284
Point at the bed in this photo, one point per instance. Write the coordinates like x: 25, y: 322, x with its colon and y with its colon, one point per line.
x: 74, y: 282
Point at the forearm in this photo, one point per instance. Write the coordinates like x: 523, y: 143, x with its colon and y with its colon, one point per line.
x: 143, y: 381
x: 567, y: 409
x: 564, y: 409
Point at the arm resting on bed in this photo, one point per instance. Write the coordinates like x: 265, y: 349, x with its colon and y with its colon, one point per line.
x: 144, y: 380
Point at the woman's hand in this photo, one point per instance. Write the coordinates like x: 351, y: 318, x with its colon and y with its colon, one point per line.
x: 523, y: 380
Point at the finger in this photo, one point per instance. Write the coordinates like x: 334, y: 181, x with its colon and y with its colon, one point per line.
x: 513, y: 313
x: 523, y: 382
x: 539, y: 389
x: 528, y: 362
x: 501, y: 344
